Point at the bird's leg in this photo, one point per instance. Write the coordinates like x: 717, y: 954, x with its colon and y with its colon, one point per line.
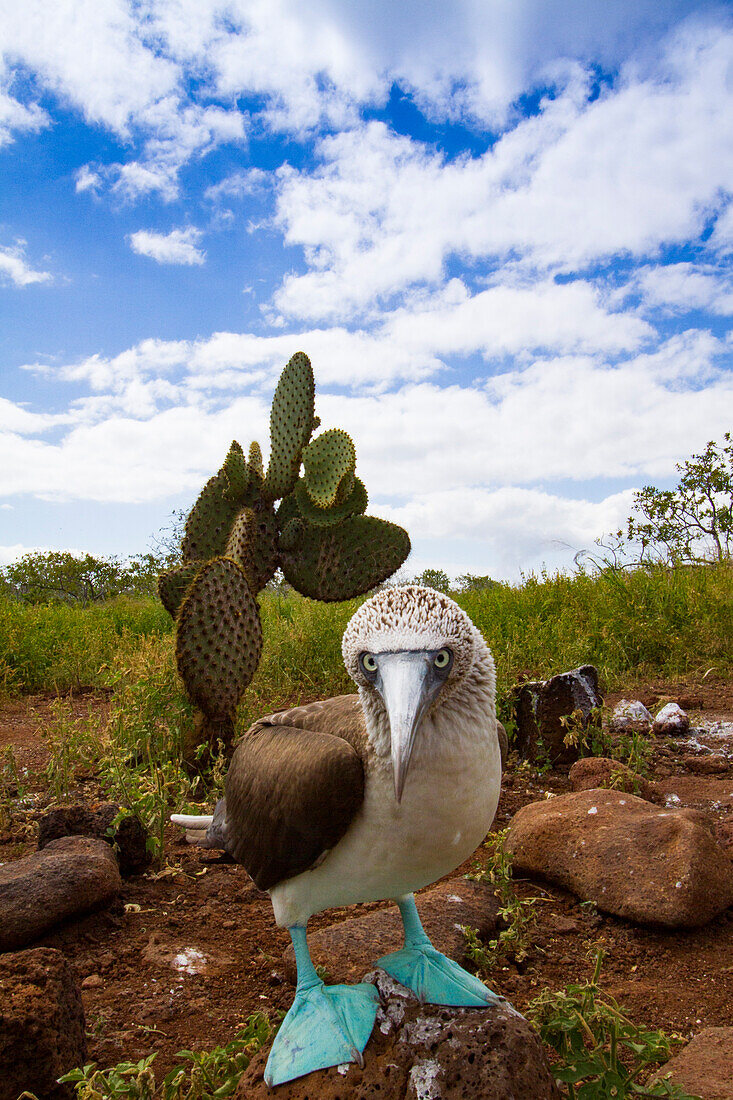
x: 432, y: 977
x: 327, y: 1025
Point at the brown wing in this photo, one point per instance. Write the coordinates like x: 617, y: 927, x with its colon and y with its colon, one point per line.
x: 294, y: 785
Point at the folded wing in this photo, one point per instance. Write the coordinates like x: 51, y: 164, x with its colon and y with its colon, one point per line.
x: 294, y: 786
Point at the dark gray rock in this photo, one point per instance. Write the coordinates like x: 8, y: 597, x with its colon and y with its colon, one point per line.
x: 426, y: 1052
x: 128, y: 838
x: 540, y: 706
x: 41, y: 1024
x: 69, y: 877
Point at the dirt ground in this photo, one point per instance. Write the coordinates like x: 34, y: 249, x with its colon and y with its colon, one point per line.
x: 190, y: 951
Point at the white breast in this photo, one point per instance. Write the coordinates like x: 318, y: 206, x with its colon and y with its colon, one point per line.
x: 392, y: 849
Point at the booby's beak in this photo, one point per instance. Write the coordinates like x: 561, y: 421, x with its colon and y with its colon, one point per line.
x: 407, y: 684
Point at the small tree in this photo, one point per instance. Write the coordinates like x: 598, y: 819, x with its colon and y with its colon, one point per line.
x: 693, y: 522
x: 43, y: 576
x: 434, y: 578
x: 470, y: 582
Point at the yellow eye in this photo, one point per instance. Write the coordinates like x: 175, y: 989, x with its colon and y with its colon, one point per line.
x: 369, y: 662
x: 443, y: 659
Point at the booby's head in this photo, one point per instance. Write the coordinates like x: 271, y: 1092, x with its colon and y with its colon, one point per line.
x: 409, y: 648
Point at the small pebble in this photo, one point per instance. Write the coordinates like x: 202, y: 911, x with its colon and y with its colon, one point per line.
x: 92, y: 981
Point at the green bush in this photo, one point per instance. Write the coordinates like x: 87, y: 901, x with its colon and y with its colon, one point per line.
x: 59, y: 647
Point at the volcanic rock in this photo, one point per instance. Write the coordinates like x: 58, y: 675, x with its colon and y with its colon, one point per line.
x: 671, y: 721
x: 128, y: 838
x: 41, y: 1024
x: 705, y: 1067
x: 70, y: 876
x: 632, y: 859
x: 347, y: 949
x: 599, y: 771
x: 540, y: 707
x: 423, y: 1052
x: 713, y: 764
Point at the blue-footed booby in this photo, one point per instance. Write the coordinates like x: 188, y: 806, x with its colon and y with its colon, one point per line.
x: 368, y: 797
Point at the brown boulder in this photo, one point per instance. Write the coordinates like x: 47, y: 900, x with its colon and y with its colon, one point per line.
x: 70, y: 876
x: 129, y: 837
x: 423, y: 1051
x: 714, y: 764
x: 540, y: 707
x: 41, y: 1024
x: 631, y: 858
x: 599, y: 771
x: 347, y: 949
x: 705, y: 1067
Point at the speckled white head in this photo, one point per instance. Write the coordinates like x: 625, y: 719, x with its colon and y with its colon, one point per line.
x: 410, y: 618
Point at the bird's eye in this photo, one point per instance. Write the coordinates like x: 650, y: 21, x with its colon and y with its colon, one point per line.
x: 369, y: 663
x: 443, y: 659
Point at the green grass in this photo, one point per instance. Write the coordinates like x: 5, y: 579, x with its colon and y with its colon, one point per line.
x: 58, y: 647
x: 656, y: 622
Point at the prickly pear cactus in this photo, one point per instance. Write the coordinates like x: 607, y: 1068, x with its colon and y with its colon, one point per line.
x: 237, y: 536
x: 219, y: 637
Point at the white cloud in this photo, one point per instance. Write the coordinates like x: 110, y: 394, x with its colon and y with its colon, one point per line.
x: 512, y: 529
x: 514, y: 320
x: 87, y: 179
x: 130, y: 67
x: 9, y: 554
x: 16, y: 117
x: 568, y: 417
x: 683, y: 287
x: 639, y: 167
x: 14, y: 267
x: 237, y: 185
x: 176, y: 247
x: 722, y: 235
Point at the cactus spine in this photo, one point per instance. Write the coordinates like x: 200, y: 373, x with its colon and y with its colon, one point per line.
x: 236, y: 539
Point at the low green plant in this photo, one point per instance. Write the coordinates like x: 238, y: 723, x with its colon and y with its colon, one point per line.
x: 72, y: 743
x: 517, y: 915
x: 586, y: 734
x: 599, y: 1052
x: 135, y: 750
x: 634, y: 750
x: 12, y: 785
x: 205, y: 1075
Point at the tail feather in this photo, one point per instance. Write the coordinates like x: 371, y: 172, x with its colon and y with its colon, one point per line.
x: 205, y: 830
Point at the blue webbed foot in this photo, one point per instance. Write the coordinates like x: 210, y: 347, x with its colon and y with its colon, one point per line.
x: 326, y: 1026
x: 436, y: 979
x: 432, y: 977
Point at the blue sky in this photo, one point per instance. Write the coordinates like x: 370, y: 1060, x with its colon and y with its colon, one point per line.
x: 501, y: 231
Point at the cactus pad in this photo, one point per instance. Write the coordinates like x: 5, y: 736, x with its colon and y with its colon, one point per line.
x: 252, y: 545
x: 209, y: 521
x: 291, y: 535
x: 174, y: 583
x: 328, y: 459
x: 256, y: 469
x: 291, y: 424
x: 355, y: 504
x: 219, y: 638
x: 237, y: 475
x: 340, y: 562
